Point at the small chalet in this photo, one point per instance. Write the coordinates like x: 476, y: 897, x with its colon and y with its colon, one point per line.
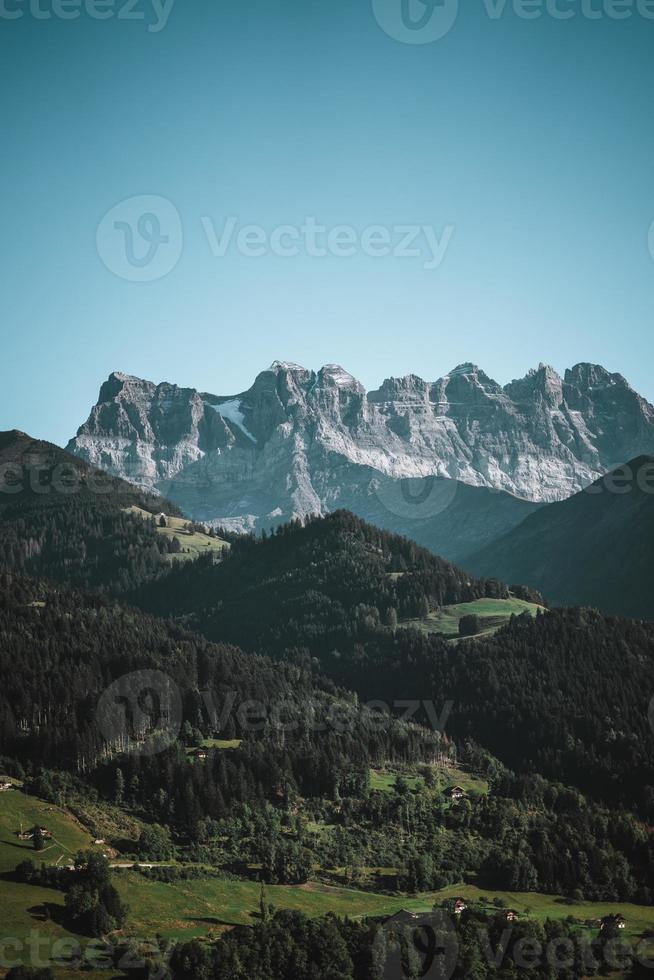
x: 616, y: 921
x: 200, y: 754
x: 45, y: 834
x: 511, y: 915
x: 456, y: 793
x: 403, y: 917
x: 459, y: 906
x: 5, y: 786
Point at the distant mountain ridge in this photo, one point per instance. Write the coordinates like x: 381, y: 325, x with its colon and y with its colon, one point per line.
x: 301, y: 442
x: 594, y: 549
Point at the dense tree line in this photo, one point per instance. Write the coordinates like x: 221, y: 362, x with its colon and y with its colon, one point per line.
x: 290, y: 946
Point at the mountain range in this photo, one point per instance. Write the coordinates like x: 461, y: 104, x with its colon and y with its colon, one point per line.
x: 453, y: 463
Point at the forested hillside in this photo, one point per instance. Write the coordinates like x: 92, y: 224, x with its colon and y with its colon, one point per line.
x: 316, y: 585
x: 565, y: 694
x: 594, y: 549
x: 250, y: 804
x: 64, y: 520
x: 61, y: 650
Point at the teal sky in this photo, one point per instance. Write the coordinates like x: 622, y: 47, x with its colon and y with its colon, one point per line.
x: 532, y: 140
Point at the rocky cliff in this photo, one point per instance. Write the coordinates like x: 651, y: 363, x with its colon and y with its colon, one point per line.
x: 300, y: 441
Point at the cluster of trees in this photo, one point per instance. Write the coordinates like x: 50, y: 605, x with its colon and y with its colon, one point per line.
x: 93, y: 906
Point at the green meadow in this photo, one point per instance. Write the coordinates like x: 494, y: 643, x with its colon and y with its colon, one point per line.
x: 194, y: 543
x: 19, y: 811
x: 493, y: 613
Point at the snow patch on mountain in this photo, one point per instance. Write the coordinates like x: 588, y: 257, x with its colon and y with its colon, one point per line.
x: 231, y: 410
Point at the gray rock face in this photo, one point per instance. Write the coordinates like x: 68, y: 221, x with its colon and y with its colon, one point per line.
x: 300, y: 442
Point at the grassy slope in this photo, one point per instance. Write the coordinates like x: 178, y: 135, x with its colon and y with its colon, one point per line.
x: 204, y: 908
x: 384, y: 779
x: 17, y: 808
x: 193, y: 545
x: 199, y: 908
x: 541, y: 907
x: 494, y: 613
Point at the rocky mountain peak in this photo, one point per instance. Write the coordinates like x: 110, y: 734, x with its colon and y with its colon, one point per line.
x: 467, y: 368
x: 334, y: 374
x: 288, y: 367
x: 541, y: 383
x: 586, y: 376
x: 407, y: 389
x: 115, y: 384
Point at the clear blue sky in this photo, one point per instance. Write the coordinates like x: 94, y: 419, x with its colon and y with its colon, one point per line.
x: 534, y: 140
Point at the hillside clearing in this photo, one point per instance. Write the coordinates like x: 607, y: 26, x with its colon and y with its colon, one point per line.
x: 193, y: 543
x: 20, y: 811
x: 493, y: 613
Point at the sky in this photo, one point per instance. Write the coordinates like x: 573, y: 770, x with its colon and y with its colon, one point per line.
x: 192, y: 191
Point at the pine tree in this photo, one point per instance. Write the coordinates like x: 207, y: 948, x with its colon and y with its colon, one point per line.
x: 263, y: 904
x: 119, y: 788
